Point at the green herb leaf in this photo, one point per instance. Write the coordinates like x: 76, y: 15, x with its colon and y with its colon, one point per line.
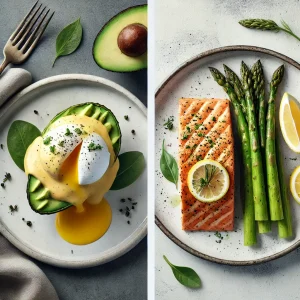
x: 68, y: 39
x: 78, y: 131
x: 68, y: 132
x: 20, y: 136
x: 132, y: 165
x: 186, y: 276
x: 93, y: 146
x: 47, y: 141
x: 168, y: 166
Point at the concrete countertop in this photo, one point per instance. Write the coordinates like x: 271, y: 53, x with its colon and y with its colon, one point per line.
x: 190, y: 28
x: 125, y: 277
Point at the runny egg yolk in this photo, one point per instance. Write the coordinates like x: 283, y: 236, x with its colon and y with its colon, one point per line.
x: 85, y: 223
x: 86, y: 226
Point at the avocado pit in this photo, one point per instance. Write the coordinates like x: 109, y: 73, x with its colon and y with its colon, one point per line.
x: 132, y: 40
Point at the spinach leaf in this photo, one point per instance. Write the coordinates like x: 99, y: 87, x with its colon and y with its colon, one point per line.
x: 186, y: 276
x: 68, y: 39
x: 168, y: 166
x: 20, y: 135
x: 132, y: 164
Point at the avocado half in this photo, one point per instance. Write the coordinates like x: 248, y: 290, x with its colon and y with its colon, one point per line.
x: 38, y: 196
x: 106, y: 51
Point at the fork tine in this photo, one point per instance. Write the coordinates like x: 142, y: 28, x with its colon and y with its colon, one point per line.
x: 26, y: 24
x: 14, y: 34
x: 43, y: 28
x: 30, y: 26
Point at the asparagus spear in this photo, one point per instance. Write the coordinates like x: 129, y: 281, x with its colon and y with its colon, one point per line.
x: 249, y: 220
x: 275, y: 203
x: 235, y: 82
x: 259, y: 96
x: 285, y: 229
x: 270, y: 25
x: 259, y: 193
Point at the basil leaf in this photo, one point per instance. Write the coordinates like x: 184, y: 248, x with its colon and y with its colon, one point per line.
x: 68, y: 39
x: 168, y: 166
x: 20, y: 136
x: 186, y: 276
x: 132, y: 165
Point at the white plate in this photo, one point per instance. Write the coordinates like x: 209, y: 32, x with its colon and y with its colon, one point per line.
x: 49, y: 97
x: 193, y: 79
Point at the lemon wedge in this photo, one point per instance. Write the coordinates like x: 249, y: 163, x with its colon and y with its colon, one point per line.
x: 208, y: 181
x: 295, y: 184
x: 289, y: 119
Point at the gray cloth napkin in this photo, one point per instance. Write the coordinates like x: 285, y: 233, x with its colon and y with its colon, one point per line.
x: 20, y: 278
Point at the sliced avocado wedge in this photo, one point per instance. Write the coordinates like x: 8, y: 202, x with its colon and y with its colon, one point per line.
x: 110, y: 47
x: 39, y: 197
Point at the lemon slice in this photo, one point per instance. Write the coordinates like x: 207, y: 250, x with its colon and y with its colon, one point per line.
x: 289, y: 118
x: 295, y: 184
x: 208, y: 181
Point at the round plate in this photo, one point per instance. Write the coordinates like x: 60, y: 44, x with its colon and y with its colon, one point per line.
x: 193, y: 79
x: 41, y: 241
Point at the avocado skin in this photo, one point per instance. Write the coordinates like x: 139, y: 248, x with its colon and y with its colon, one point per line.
x: 125, y: 70
x: 55, y: 206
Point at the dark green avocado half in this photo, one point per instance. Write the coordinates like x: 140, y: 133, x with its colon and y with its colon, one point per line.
x: 38, y: 196
x: 106, y: 51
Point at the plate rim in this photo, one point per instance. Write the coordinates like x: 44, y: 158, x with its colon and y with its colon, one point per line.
x: 130, y: 241
x: 159, y: 223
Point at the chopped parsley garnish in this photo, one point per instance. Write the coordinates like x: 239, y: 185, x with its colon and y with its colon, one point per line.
x: 214, y: 119
x: 187, y: 147
x: 218, y: 235
x: 199, y: 157
x: 78, y: 131
x: 68, y: 132
x: 13, y: 208
x: 197, y: 126
x: 48, y: 140
x: 52, y: 149
x: 126, y: 118
x: 200, y: 134
x: 185, y: 136
x: 169, y: 124
x: 7, y: 177
x: 61, y: 143
x: 92, y: 146
x: 188, y: 128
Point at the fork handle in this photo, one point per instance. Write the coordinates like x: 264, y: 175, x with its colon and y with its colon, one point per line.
x: 4, y: 64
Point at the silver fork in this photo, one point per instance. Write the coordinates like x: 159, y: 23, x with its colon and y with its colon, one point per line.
x: 25, y: 38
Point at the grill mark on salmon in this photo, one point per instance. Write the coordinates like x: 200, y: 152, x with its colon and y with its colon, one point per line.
x: 205, y: 133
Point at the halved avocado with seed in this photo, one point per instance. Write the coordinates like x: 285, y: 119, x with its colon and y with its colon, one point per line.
x: 39, y: 197
x: 121, y: 45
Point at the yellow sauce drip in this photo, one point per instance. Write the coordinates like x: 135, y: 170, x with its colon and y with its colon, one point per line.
x: 84, y: 227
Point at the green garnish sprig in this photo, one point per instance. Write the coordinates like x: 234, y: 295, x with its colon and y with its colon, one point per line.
x: 93, y: 146
x: 209, y: 174
x: 270, y: 25
x: 169, y: 124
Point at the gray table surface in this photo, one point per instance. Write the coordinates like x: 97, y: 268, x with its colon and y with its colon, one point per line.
x: 125, y: 277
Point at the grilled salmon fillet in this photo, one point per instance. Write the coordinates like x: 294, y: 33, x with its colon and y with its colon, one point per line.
x: 205, y: 132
